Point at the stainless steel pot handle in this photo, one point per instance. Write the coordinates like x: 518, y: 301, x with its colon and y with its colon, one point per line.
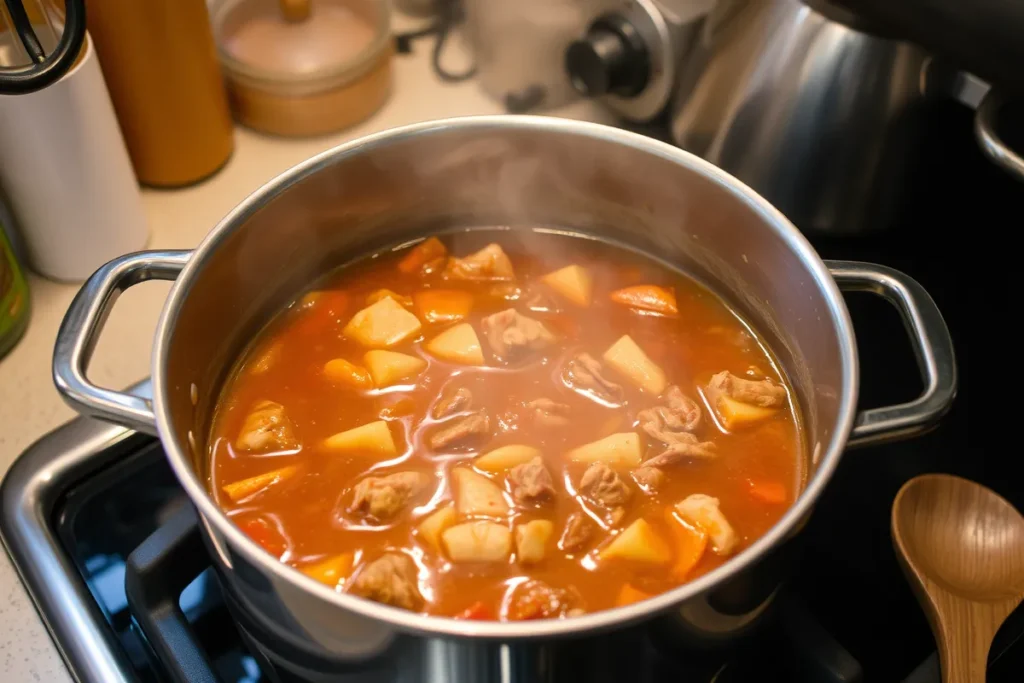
x: 932, y: 345
x: 991, y: 144
x: 76, y: 339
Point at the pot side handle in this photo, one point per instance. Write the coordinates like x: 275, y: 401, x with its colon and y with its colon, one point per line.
x: 932, y: 344
x: 992, y: 146
x: 76, y: 339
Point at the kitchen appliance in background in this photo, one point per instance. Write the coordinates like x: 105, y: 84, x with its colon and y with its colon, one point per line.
x: 160, y: 63
x: 631, y: 53
x: 65, y: 171
x: 519, y: 45
x: 304, y: 67
x: 35, y: 52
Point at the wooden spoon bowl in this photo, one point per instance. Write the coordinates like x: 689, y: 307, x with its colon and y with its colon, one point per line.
x: 962, y: 547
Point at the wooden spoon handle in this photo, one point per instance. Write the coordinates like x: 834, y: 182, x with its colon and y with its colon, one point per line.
x: 963, y: 651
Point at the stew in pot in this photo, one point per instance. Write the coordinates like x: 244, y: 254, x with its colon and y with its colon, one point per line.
x: 506, y: 425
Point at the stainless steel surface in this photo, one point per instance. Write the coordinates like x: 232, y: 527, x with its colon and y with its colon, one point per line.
x: 394, y: 187
x: 816, y: 116
x: 932, y: 346
x: 79, y: 333
x: 991, y: 144
x: 28, y: 498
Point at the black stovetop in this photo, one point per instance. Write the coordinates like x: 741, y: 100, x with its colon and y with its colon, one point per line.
x: 848, y: 614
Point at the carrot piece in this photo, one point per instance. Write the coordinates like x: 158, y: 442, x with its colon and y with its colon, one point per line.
x: 628, y: 595
x: 771, y: 492
x: 340, y: 370
x: 478, y: 611
x: 442, y: 305
x: 379, y: 294
x: 330, y: 571
x: 690, y: 542
x: 267, y: 537
x: 242, y: 489
x: 423, y: 253
x: 648, y: 298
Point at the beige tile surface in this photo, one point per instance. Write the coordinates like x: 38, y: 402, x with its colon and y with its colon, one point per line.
x: 29, y: 404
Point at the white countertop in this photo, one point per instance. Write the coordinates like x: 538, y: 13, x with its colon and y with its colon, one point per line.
x: 29, y: 404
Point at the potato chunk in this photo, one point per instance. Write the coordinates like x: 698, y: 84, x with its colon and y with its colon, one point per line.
x: 458, y: 344
x: 375, y: 296
x: 532, y: 540
x: 733, y: 414
x: 341, y: 371
x: 373, y: 438
x: 638, y: 542
x: 330, y: 571
x: 631, y: 362
x: 475, y: 494
x: 505, y: 458
x: 618, y: 449
x: 382, y: 324
x: 431, y: 528
x: 703, y: 511
x: 248, y: 487
x: 573, y: 282
x: 390, y: 367
x: 477, y: 542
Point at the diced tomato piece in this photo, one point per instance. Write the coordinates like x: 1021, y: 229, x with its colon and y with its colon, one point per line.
x: 260, y: 530
x: 423, y: 253
x: 771, y: 492
x: 478, y: 611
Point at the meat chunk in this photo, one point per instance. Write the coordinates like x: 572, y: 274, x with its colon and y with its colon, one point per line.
x: 679, y: 414
x: 490, y: 263
x: 266, y: 428
x: 703, y: 511
x: 512, y: 335
x: 381, y: 498
x: 762, y: 393
x: 537, y: 600
x: 684, y: 446
x: 548, y: 413
x: 584, y: 373
x: 452, y: 401
x: 390, y: 579
x: 648, y: 478
x: 460, y: 429
x: 531, y: 482
x: 603, y: 486
x: 579, y: 529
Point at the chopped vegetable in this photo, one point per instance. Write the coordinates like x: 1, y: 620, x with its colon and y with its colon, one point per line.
x: 733, y: 414
x: 647, y: 298
x: 477, y: 542
x: 389, y: 367
x: 248, y: 487
x: 266, y: 359
x: 690, y: 543
x: 373, y: 438
x: 639, y: 543
x: 628, y: 595
x: 266, y: 536
x: 376, y: 296
x: 771, y: 492
x: 341, y: 371
x: 703, y: 511
x: 532, y: 540
x: 490, y: 263
x: 617, y: 449
x: 442, y: 305
x: 458, y: 344
x: 382, y: 324
x: 423, y: 253
x: 330, y: 571
x: 478, y: 611
x: 506, y: 457
x: 573, y: 282
x: 400, y: 408
x: 431, y: 528
x: 629, y: 360
x: 475, y: 494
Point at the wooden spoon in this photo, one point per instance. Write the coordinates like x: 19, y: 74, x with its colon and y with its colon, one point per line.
x: 295, y: 10
x: 962, y: 548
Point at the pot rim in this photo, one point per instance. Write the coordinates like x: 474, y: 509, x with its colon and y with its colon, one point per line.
x: 447, y: 626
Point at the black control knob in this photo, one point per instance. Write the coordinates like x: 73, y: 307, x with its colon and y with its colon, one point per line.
x: 610, y: 59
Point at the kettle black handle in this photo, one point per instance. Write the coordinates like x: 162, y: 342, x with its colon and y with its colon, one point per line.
x: 45, y: 69
x: 980, y: 36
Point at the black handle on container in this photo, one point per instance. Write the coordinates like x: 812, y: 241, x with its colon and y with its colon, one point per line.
x: 983, y: 37
x: 45, y: 69
x: 156, y: 574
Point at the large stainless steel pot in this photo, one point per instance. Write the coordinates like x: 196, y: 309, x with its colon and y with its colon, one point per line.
x: 397, y: 186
